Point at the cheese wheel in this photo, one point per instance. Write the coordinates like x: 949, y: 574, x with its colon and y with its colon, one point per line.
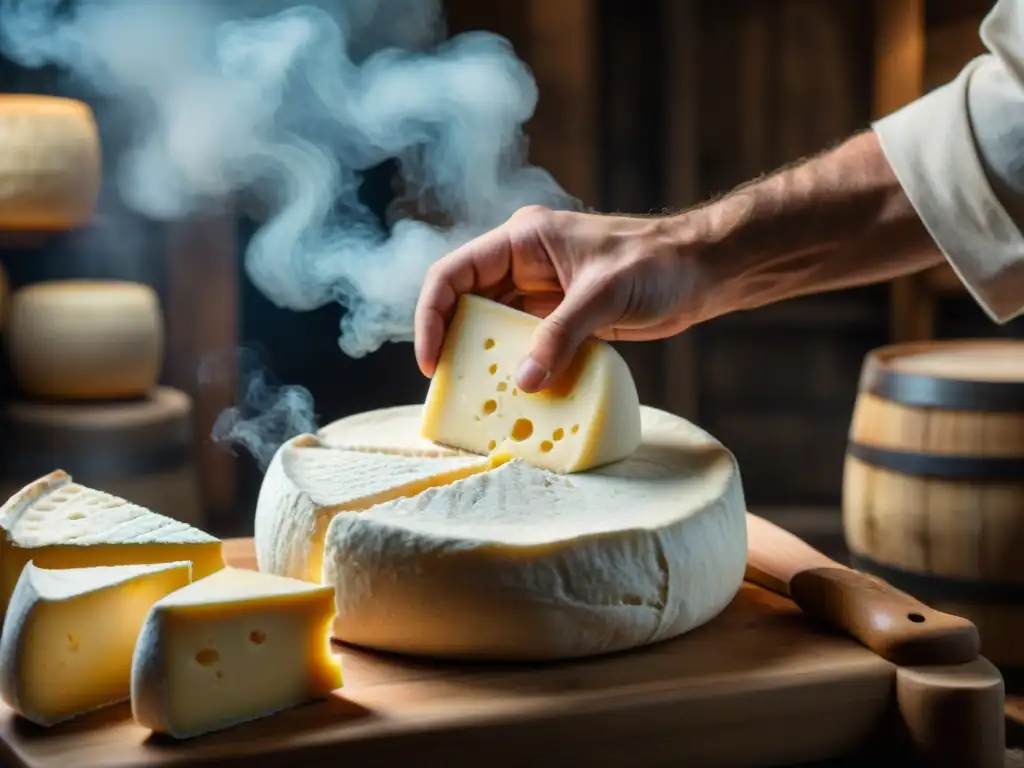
x: 520, y: 563
x: 49, y: 163
x: 140, y: 450
x: 85, y: 339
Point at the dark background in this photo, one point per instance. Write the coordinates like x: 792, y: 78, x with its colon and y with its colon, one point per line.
x: 643, y: 106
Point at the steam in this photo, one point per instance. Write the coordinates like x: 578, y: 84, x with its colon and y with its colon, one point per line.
x: 288, y: 105
x: 269, y: 412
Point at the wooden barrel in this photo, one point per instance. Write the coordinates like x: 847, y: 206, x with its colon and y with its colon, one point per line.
x: 140, y: 450
x: 933, y: 486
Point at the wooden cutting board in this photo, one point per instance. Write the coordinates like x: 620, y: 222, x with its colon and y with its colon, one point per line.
x: 761, y: 685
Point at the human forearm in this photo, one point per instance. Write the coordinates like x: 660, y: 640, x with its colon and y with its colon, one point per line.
x: 835, y: 221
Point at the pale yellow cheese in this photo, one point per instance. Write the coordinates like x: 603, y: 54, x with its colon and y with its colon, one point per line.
x: 57, y: 523
x: 236, y: 646
x: 49, y: 163
x: 308, y: 483
x: 85, y: 339
x: 587, y: 418
x: 69, y: 636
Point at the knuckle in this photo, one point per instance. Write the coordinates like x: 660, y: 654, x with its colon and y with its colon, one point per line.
x: 534, y: 216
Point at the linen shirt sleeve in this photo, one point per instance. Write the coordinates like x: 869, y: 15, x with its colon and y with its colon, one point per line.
x: 958, y: 153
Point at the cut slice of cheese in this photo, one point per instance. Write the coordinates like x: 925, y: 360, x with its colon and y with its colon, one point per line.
x: 522, y: 563
x: 85, y: 339
x: 233, y: 647
x: 308, y: 483
x: 387, y: 430
x: 49, y: 162
x: 588, y: 417
x: 57, y: 523
x: 69, y: 636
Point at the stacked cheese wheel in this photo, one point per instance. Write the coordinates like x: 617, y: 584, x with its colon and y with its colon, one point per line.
x: 86, y: 355
x: 457, y: 530
x: 49, y: 163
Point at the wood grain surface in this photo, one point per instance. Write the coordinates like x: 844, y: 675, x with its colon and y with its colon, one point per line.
x: 760, y: 685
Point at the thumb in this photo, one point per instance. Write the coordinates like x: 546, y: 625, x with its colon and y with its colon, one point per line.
x: 583, y: 311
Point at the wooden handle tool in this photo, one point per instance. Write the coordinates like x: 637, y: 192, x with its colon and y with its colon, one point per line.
x: 893, y: 624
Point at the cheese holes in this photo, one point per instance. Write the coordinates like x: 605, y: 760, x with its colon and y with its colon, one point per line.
x: 488, y: 343
x: 515, y: 392
x: 558, y: 434
x: 546, y: 446
x: 493, y: 369
x: 491, y: 445
x: 490, y: 407
x: 207, y: 657
x: 575, y: 428
x: 257, y: 637
x: 521, y: 430
x: 502, y: 386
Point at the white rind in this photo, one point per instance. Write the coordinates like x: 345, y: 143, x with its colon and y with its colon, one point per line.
x: 301, y: 490
x: 650, y: 547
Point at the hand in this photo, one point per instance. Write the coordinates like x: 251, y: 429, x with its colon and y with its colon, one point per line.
x: 614, y: 277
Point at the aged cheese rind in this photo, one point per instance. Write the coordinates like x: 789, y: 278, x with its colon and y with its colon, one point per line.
x: 308, y: 483
x: 520, y: 563
x: 49, y: 162
x: 57, y: 523
x: 69, y: 635
x: 85, y: 339
x: 236, y: 646
x: 589, y: 417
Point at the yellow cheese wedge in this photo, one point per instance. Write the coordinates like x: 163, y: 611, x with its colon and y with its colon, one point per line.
x: 69, y: 636
x: 57, y: 523
x: 234, y: 647
x: 49, y: 162
x: 85, y: 339
x: 589, y: 417
x: 308, y: 483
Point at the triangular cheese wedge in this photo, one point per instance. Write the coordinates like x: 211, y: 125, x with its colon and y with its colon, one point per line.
x: 57, y: 523
x: 235, y: 646
x: 588, y: 417
x: 308, y: 483
x: 69, y: 636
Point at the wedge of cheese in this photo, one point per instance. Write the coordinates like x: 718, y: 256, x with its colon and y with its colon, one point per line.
x: 308, y: 483
x: 235, y: 646
x: 588, y: 417
x: 49, y: 162
x: 519, y: 563
x: 69, y: 636
x: 57, y: 523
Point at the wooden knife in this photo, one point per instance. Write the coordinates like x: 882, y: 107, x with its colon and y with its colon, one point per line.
x: 893, y: 624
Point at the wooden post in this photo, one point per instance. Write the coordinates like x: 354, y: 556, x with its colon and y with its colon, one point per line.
x: 899, y: 79
x: 202, y: 318
x: 682, y: 175
x: 562, y: 54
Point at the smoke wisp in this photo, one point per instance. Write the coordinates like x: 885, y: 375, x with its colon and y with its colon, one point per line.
x: 291, y: 105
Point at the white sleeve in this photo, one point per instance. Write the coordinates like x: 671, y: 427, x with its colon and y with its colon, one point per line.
x: 958, y: 153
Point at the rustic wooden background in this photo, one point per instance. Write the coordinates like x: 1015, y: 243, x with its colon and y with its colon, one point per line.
x: 644, y: 106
